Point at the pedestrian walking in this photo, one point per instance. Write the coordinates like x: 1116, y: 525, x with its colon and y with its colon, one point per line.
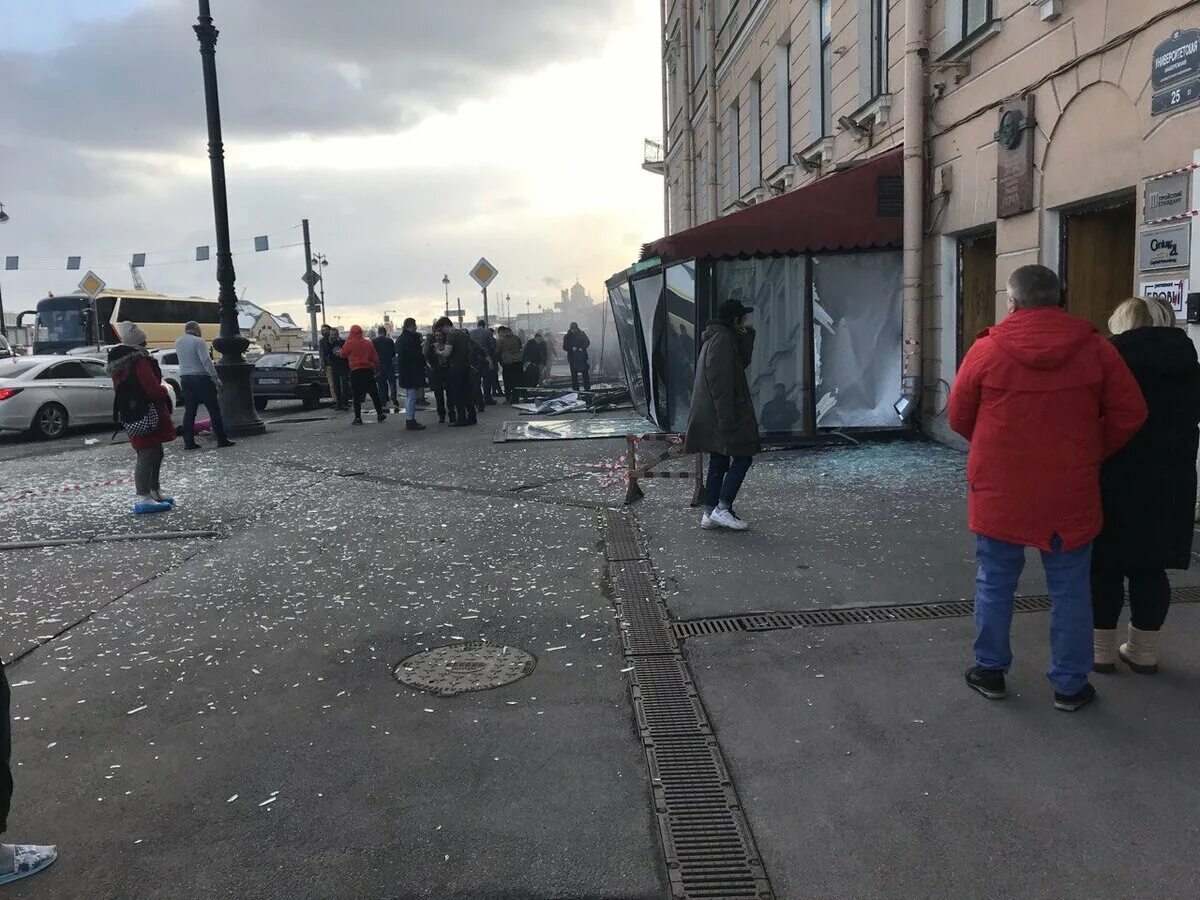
x: 142, y: 405
x: 385, y: 349
x: 17, y: 861
x: 411, y: 371
x: 438, y: 373
x: 1044, y: 400
x: 363, y: 362
x: 508, y: 350
x: 551, y: 354
x: 456, y: 354
x: 341, y: 371
x: 534, y: 358
x: 486, y: 342
x: 493, y: 385
x: 200, y: 382
x: 330, y: 362
x: 721, y: 421
x: 1148, y: 488
x: 575, y: 345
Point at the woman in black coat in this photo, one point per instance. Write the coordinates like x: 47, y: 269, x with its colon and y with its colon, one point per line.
x: 1148, y: 488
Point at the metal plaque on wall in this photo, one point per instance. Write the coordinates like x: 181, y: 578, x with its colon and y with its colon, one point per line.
x: 1176, y: 59
x: 1168, y: 197
x: 1014, y: 158
x: 1165, y: 248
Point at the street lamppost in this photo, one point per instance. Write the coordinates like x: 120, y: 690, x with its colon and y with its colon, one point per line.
x: 321, y: 262
x: 237, y: 394
x: 446, y: 285
x: 3, y: 324
x: 508, y: 307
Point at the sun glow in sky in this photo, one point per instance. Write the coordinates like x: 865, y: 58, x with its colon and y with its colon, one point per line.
x: 406, y: 170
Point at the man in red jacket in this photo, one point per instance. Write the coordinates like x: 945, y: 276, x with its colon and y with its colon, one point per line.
x: 1043, y: 399
x: 364, y: 371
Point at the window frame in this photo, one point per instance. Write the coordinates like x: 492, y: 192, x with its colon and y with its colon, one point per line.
x: 783, y: 103
x: 825, y: 65
x: 989, y: 15
x: 880, y: 46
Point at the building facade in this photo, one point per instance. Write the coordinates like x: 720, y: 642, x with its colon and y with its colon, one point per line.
x: 1059, y: 132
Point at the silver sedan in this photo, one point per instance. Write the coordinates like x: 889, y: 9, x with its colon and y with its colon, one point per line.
x: 49, y: 394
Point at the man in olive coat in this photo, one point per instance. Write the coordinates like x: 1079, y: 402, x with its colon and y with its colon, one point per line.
x: 722, y: 422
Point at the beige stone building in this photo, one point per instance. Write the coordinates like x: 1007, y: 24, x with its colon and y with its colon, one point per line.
x: 766, y: 97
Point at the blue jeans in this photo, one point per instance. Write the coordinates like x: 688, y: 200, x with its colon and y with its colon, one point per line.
x: 1068, y: 576
x: 410, y: 403
x: 725, y: 477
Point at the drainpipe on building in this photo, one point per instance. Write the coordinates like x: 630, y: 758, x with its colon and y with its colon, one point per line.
x: 666, y: 117
x: 689, y: 110
x: 915, y: 53
x: 710, y: 22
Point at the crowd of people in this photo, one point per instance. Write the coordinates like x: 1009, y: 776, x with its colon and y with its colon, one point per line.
x: 1082, y: 447
x: 466, y: 370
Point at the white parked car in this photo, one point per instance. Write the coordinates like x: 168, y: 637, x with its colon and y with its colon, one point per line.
x: 168, y: 361
x: 47, y: 395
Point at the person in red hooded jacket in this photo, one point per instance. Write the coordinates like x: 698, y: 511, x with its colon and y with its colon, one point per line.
x: 1044, y: 399
x: 364, y: 371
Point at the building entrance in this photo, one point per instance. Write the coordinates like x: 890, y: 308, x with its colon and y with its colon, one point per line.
x: 1098, y: 251
x: 976, y: 288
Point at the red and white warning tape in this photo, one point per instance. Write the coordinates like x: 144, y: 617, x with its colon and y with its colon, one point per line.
x: 1192, y: 168
x: 69, y: 489
x: 1191, y: 214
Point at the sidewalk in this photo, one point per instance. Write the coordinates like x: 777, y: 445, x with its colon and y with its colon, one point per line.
x: 865, y: 767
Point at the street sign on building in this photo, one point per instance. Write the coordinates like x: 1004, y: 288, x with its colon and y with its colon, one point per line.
x: 1165, y: 248
x: 484, y: 273
x: 92, y: 285
x: 1173, y: 71
x: 1174, y: 292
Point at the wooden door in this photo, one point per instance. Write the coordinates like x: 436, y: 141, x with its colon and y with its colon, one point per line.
x: 1100, y: 251
x: 976, y: 288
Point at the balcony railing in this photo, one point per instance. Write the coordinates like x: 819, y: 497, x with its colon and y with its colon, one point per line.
x: 652, y: 157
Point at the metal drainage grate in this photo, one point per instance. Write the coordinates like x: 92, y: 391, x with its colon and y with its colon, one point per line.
x: 708, y: 846
x: 867, y: 615
x: 462, y: 668
x: 620, y: 541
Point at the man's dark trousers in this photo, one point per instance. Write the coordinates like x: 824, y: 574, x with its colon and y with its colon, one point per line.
x: 6, y: 785
x: 200, y: 389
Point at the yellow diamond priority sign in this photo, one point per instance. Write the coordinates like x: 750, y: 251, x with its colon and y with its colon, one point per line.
x: 92, y: 285
x: 484, y: 273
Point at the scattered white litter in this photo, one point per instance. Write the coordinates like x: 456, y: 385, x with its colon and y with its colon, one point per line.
x: 268, y: 800
x: 21, y: 683
x: 627, y: 669
x: 132, y: 711
x: 552, y: 649
x: 429, y: 710
x: 231, y: 799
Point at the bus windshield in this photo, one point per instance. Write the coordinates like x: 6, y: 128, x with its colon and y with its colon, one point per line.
x: 61, y: 324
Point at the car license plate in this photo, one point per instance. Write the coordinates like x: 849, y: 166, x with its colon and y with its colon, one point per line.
x: 269, y: 381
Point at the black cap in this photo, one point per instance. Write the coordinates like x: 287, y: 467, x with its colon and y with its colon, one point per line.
x: 733, y: 308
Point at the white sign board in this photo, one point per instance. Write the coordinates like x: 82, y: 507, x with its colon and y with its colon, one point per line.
x: 92, y: 285
x: 1173, y: 292
x: 484, y: 273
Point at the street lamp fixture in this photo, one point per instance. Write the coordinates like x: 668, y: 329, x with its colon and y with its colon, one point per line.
x: 320, y: 261
x: 3, y: 324
x: 3, y: 214
x: 237, y: 393
x: 446, y: 285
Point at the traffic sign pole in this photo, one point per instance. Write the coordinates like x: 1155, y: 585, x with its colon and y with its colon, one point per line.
x: 310, y: 281
x: 485, y: 309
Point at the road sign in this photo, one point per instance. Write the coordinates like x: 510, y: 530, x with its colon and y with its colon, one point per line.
x: 310, y: 278
x: 484, y: 273
x: 92, y: 285
x: 456, y: 312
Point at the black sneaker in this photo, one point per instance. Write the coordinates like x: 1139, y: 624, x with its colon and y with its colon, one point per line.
x: 357, y: 421
x: 989, y: 682
x: 380, y: 417
x: 1075, y: 702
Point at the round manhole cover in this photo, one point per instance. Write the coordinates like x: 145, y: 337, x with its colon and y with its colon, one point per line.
x: 459, y: 668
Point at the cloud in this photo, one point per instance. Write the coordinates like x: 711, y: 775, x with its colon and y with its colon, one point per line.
x: 301, y: 67
x: 416, y: 136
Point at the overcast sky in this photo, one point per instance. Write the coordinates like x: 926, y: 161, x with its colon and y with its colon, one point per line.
x: 415, y: 135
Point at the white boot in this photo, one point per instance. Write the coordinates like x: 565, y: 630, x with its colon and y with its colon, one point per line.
x: 1140, y: 652
x: 1104, y: 646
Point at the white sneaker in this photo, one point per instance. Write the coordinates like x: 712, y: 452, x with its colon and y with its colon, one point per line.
x: 725, y: 518
x: 708, y: 524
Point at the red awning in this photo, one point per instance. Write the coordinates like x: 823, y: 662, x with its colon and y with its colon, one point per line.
x: 840, y: 212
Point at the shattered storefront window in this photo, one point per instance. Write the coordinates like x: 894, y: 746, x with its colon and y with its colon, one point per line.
x: 627, y: 338
x: 856, y: 339
x: 680, y: 343
x: 778, y: 373
x: 647, y: 301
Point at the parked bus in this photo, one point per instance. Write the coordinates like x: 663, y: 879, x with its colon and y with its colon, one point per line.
x: 74, y: 321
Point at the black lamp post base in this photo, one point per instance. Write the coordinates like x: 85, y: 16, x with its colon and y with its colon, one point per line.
x: 237, y: 400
